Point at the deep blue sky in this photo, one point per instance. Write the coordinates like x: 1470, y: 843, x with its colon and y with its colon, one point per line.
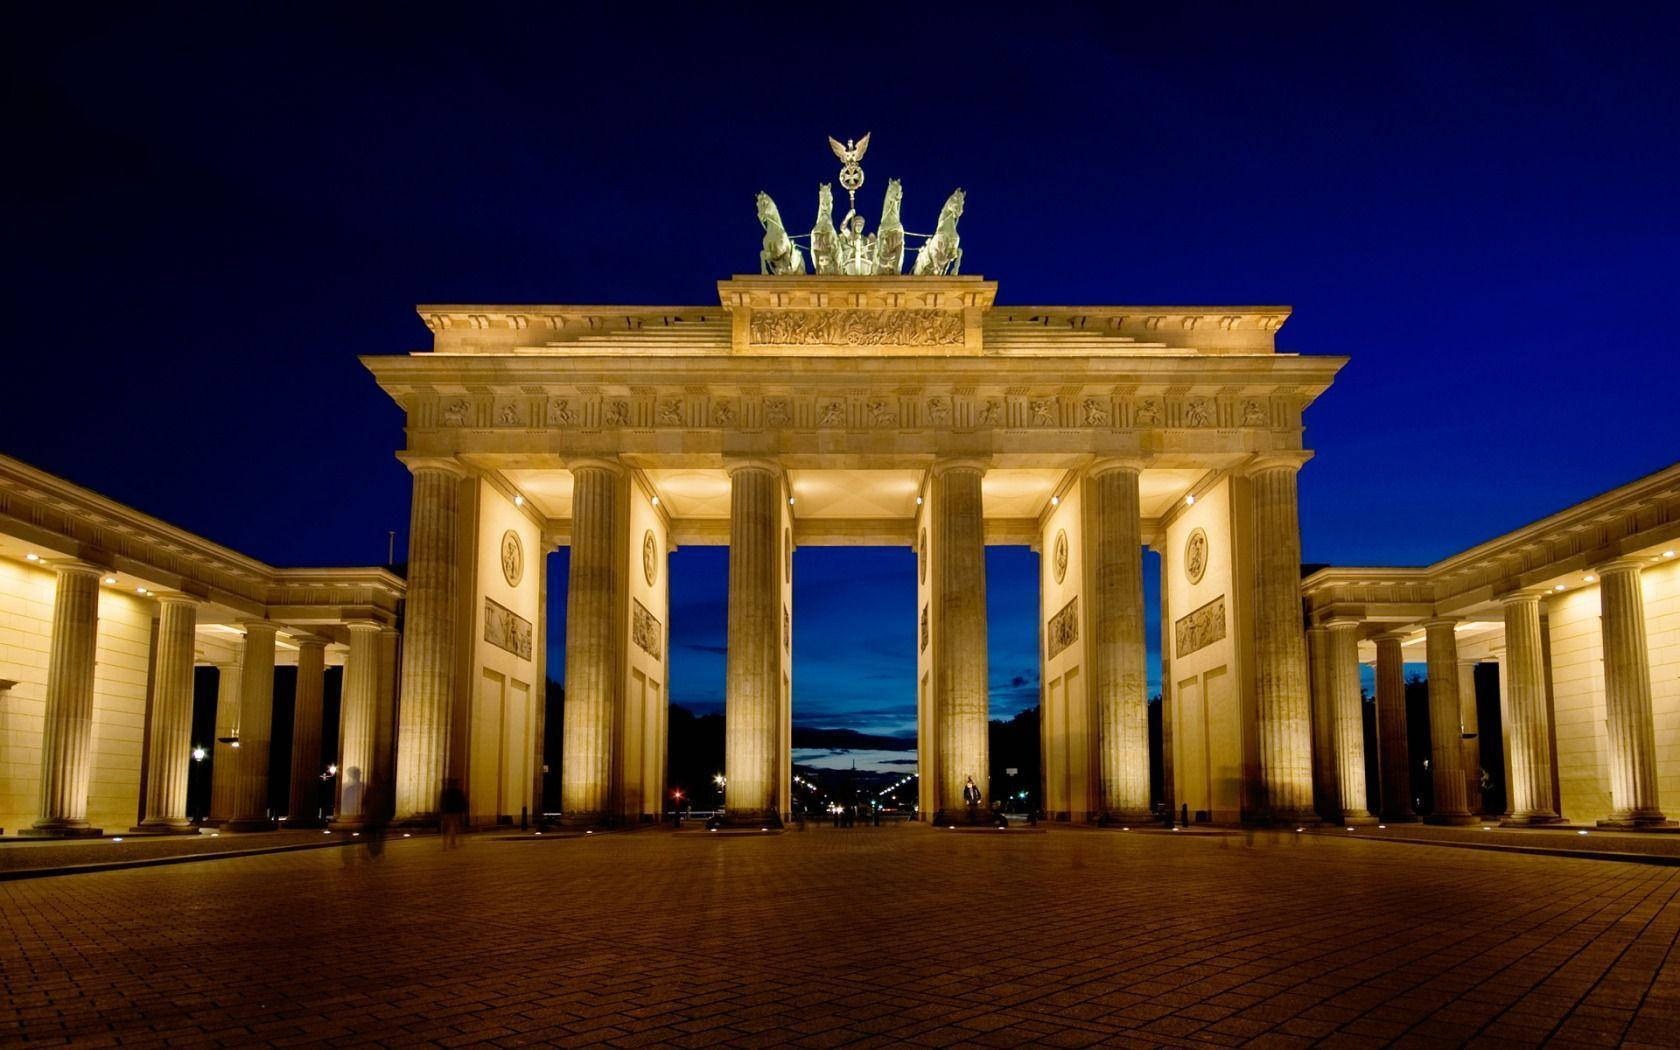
x: 211, y: 211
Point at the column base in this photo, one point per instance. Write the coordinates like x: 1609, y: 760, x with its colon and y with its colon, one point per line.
x: 1530, y: 820
x: 1452, y: 819
x: 1652, y: 822
x: 164, y: 827
x: 43, y: 829
x: 249, y: 824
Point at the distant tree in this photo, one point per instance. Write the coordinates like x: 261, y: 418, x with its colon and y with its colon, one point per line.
x: 694, y: 754
x: 1015, y: 745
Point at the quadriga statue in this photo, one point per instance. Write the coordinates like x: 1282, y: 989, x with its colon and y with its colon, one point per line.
x: 825, y: 249
x: 889, y: 238
x: 778, y: 254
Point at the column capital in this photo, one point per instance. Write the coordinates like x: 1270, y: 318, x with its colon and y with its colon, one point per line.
x: 1439, y: 622
x: 176, y: 598
x: 1108, y: 464
x: 72, y: 566
x: 1526, y: 595
x: 304, y: 638
x: 250, y: 624
x: 1397, y: 636
x: 365, y: 625
x: 1344, y: 622
x: 1627, y: 563
x: 734, y: 466
x: 944, y: 464
x: 446, y: 464
x: 607, y: 463
x: 1283, y: 459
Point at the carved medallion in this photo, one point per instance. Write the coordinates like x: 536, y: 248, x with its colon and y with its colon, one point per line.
x: 650, y: 557
x: 921, y: 557
x: 513, y: 558
x: 1059, y: 559
x: 1195, y: 555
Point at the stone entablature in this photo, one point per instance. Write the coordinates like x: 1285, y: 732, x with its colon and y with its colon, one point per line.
x: 1630, y: 520
x: 854, y: 316
x: 56, y: 517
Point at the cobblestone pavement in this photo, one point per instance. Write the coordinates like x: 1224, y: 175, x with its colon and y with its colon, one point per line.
x: 865, y: 936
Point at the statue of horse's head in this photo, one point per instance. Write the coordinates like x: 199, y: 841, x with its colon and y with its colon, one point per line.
x: 891, y: 204
x: 953, y: 207
x: 825, y: 200
x: 767, y: 212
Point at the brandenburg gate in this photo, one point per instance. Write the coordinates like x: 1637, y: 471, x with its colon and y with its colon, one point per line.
x: 856, y: 405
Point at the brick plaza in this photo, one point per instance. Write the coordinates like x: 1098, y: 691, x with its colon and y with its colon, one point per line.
x: 851, y: 937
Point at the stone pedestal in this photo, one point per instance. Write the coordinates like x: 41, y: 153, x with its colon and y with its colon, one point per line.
x: 1280, y: 646
x: 1348, y: 711
x: 1627, y: 699
x: 960, y: 684
x: 304, y: 805
x: 1395, y: 761
x: 595, y: 602
x: 68, y: 726
x: 1446, y: 753
x: 359, y: 792
x: 256, y: 727
x: 752, y: 712
x: 1117, y: 625
x: 1528, y: 722
x: 169, y: 754
x: 430, y: 638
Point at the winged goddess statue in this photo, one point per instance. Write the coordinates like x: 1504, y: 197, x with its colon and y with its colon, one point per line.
x: 851, y: 172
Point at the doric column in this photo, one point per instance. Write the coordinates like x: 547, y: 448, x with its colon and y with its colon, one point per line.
x: 429, y: 637
x: 1529, y: 758
x: 169, y: 753
x: 1470, y: 742
x: 303, y: 810
x: 1280, y: 644
x: 960, y: 667
x: 357, y: 728
x: 752, y: 699
x: 1326, y: 779
x: 595, y: 595
x: 224, y: 756
x: 1347, y: 710
x: 1117, y: 625
x: 1446, y: 753
x: 385, y: 719
x: 1395, y: 759
x: 256, y: 726
x: 68, y: 730
x: 1627, y: 698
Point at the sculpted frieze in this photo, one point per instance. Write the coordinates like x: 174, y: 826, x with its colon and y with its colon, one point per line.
x: 855, y: 328
x: 506, y: 629
x: 645, y: 629
x: 1063, y: 629
x: 1201, y: 628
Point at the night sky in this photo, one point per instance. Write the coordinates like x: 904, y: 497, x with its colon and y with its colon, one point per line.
x: 212, y: 211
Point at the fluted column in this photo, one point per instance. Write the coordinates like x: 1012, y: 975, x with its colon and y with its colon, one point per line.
x: 357, y: 727
x: 224, y: 756
x: 1470, y: 741
x: 595, y: 596
x: 1117, y: 619
x: 256, y: 727
x: 960, y: 667
x: 1326, y: 779
x: 1446, y: 753
x: 752, y: 698
x: 1627, y: 698
x: 429, y: 637
x: 385, y: 718
x: 1395, y: 758
x: 1527, y: 725
x: 68, y: 730
x: 304, y: 799
x: 169, y: 753
x: 1347, y: 710
x: 1280, y: 645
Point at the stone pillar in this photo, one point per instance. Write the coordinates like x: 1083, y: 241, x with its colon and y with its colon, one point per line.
x: 1347, y: 710
x: 429, y: 639
x: 358, y: 788
x: 1528, y: 760
x: 224, y: 756
x: 1627, y: 698
x: 1446, y: 753
x: 1470, y: 742
x: 1394, y: 759
x: 385, y: 719
x: 304, y: 805
x: 960, y: 661
x: 752, y: 703
x: 595, y: 598
x: 1280, y: 644
x: 1326, y: 779
x: 68, y: 727
x: 169, y: 750
x: 1116, y: 615
x: 256, y: 725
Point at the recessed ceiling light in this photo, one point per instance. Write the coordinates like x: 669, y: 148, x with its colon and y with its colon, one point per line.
x: 656, y: 501
x: 1592, y: 579
x: 1055, y: 501
x: 31, y: 556
x: 918, y: 501
x: 110, y: 580
x: 1559, y: 587
x: 1190, y: 501
x: 790, y: 501
x: 1668, y: 554
x: 518, y: 500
